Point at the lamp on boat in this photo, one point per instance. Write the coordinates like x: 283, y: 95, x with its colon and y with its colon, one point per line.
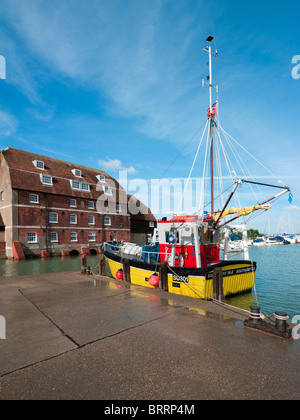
x: 171, y: 239
x: 154, y: 280
x: 119, y: 274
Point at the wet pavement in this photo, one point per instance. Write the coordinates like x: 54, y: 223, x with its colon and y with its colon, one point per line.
x: 70, y: 336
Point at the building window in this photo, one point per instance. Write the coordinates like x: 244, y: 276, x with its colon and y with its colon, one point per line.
x: 2, y: 195
x: 91, y: 205
x: 53, y: 218
x: 107, y: 221
x: 53, y: 237
x: 73, y: 203
x: 39, y: 164
x: 73, y: 236
x: 77, y: 185
x: 100, y: 178
x: 151, y: 224
x: 119, y: 208
x: 107, y: 190
x: 33, y: 198
x: 46, y: 179
x: 73, y: 219
x: 92, y: 236
x: 91, y: 220
x: 77, y: 172
x: 31, y: 237
x: 85, y: 186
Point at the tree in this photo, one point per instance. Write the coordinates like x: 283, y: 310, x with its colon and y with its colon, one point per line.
x: 253, y: 232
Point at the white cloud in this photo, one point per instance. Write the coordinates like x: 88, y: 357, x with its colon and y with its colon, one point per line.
x: 8, y: 124
x: 114, y: 165
x: 133, y: 52
x: 292, y: 207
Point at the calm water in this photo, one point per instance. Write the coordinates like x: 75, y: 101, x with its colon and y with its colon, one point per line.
x: 277, y: 278
x: 10, y: 268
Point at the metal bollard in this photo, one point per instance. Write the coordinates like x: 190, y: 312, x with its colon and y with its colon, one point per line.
x: 255, y: 314
x: 280, y: 321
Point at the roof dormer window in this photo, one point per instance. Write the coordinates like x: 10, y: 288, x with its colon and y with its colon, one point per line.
x: 78, y: 185
x: 39, y: 164
x: 100, y: 178
x: 46, y: 179
x: 76, y: 172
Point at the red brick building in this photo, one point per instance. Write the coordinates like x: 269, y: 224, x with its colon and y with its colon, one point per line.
x: 50, y: 207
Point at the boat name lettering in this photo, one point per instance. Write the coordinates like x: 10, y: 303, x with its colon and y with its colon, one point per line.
x: 232, y: 272
x: 181, y: 279
x: 244, y: 270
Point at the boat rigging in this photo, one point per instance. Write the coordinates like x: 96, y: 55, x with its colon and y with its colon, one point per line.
x: 189, y: 245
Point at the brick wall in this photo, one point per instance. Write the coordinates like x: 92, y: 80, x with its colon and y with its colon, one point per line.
x: 34, y: 217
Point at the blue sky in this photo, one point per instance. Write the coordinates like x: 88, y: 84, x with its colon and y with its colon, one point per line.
x: 116, y: 84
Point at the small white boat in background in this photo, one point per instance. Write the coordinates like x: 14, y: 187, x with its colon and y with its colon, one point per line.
x: 259, y: 242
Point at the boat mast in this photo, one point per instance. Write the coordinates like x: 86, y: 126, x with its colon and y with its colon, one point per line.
x: 211, y: 117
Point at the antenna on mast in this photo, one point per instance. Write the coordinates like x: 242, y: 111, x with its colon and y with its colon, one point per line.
x: 209, y: 78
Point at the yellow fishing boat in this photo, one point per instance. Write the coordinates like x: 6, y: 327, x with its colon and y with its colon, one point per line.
x: 186, y: 249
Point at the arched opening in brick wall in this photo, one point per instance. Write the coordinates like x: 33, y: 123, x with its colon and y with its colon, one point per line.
x: 74, y: 252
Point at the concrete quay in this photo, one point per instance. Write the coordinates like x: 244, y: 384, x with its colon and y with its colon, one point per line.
x: 72, y: 336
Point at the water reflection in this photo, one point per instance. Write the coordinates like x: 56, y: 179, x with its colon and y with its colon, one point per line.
x: 12, y: 268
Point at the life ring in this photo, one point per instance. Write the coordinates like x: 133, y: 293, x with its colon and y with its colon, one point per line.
x: 178, y: 257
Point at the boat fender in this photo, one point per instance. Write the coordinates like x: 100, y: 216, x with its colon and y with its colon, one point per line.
x: 119, y: 274
x: 154, y: 280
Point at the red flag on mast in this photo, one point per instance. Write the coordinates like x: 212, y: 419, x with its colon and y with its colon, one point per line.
x: 213, y: 111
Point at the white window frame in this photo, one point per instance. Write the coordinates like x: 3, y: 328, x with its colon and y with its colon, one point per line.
x: 78, y: 185
x: 71, y: 205
x: 56, y: 237
x: 87, y: 185
x: 77, y: 172
x: 39, y: 164
x: 75, y: 217
x: 107, y: 190
x: 32, y: 241
x: 34, y: 201
x: 118, y: 208
x: 91, y: 217
x: 2, y: 195
x: 43, y: 176
x: 74, y: 181
x: 74, y: 234
x: 91, y: 205
x: 93, y: 235
x: 107, y: 219
x: 101, y: 178
x: 51, y: 214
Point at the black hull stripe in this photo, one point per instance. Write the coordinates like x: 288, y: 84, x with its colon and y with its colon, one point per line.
x: 184, y: 271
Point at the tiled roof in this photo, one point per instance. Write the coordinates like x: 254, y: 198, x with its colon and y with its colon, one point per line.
x: 24, y: 175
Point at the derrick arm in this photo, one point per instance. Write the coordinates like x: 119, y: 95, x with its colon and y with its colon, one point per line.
x: 247, y: 210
